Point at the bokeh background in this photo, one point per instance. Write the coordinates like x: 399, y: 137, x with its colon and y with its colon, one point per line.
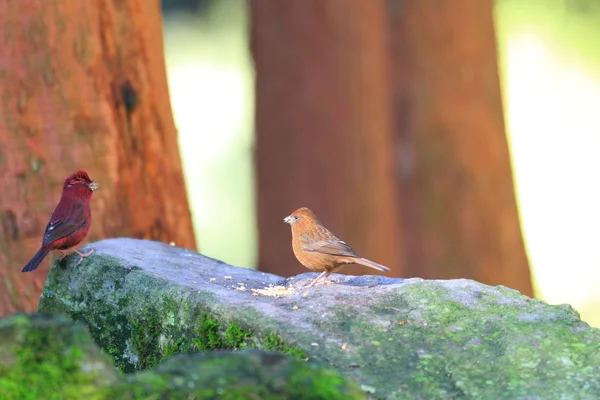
x: 446, y: 139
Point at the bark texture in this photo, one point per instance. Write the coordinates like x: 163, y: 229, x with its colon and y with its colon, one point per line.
x: 457, y: 197
x: 83, y: 86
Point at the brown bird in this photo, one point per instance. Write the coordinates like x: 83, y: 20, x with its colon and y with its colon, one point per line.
x: 320, y: 250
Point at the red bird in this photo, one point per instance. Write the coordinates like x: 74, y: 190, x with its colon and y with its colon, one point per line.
x: 70, y: 222
x: 320, y: 250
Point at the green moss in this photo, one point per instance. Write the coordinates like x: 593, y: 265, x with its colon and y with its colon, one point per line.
x: 274, y: 343
x: 139, y: 335
x: 42, y: 374
x: 211, y: 336
x: 108, y: 325
x: 208, y: 334
x: 48, y: 361
x: 51, y: 358
x: 240, y: 375
x: 172, y: 349
x: 307, y: 383
x: 235, y: 337
x: 434, y: 339
x: 144, y: 336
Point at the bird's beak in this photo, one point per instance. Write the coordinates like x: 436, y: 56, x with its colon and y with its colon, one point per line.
x: 288, y: 219
x: 93, y: 185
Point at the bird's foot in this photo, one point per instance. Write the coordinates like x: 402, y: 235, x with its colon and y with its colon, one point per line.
x: 323, y: 282
x: 83, y: 255
x: 313, y: 283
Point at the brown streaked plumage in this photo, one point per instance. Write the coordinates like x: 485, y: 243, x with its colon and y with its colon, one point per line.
x: 320, y: 250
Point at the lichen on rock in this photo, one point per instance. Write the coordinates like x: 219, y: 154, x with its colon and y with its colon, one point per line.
x: 399, y: 339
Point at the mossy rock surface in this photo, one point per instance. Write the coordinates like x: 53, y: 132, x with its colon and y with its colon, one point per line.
x: 399, y: 339
x: 246, y: 374
x: 50, y: 357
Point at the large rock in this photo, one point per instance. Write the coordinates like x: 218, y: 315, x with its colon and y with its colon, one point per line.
x: 400, y: 339
x: 45, y: 357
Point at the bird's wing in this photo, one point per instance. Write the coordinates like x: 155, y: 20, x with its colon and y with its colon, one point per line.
x: 331, y: 247
x: 66, y: 219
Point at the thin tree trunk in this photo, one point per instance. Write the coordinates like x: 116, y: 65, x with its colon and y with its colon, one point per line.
x: 323, y: 134
x: 458, y: 205
x: 84, y: 87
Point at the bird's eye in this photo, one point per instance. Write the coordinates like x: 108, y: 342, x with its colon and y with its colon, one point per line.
x: 295, y: 217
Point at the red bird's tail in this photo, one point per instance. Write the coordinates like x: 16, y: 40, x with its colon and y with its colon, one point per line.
x: 36, y: 260
x: 371, y: 264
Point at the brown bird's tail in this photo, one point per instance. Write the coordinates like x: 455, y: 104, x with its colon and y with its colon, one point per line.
x: 36, y: 260
x: 371, y: 264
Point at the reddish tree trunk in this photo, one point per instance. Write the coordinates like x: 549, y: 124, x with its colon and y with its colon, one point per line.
x: 65, y: 70
x: 458, y: 205
x: 323, y: 134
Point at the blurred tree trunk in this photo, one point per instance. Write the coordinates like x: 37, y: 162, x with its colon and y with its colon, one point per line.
x: 323, y: 132
x: 68, y: 74
x: 458, y: 205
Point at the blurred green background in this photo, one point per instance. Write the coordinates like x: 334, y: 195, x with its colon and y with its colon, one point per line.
x: 550, y: 70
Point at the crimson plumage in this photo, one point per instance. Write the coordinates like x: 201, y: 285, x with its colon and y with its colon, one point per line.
x: 70, y: 222
x: 320, y: 250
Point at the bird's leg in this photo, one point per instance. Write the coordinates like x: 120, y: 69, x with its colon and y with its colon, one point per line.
x: 317, y: 278
x: 329, y: 281
x: 64, y: 253
x: 83, y: 255
x: 326, y: 281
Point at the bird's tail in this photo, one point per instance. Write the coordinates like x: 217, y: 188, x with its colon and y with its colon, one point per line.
x: 371, y: 264
x: 36, y: 260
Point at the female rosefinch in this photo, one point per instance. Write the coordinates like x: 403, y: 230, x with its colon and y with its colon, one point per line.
x: 70, y: 222
x: 320, y: 250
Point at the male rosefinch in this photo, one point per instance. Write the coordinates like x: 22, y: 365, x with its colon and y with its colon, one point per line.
x: 70, y: 222
x: 320, y: 250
